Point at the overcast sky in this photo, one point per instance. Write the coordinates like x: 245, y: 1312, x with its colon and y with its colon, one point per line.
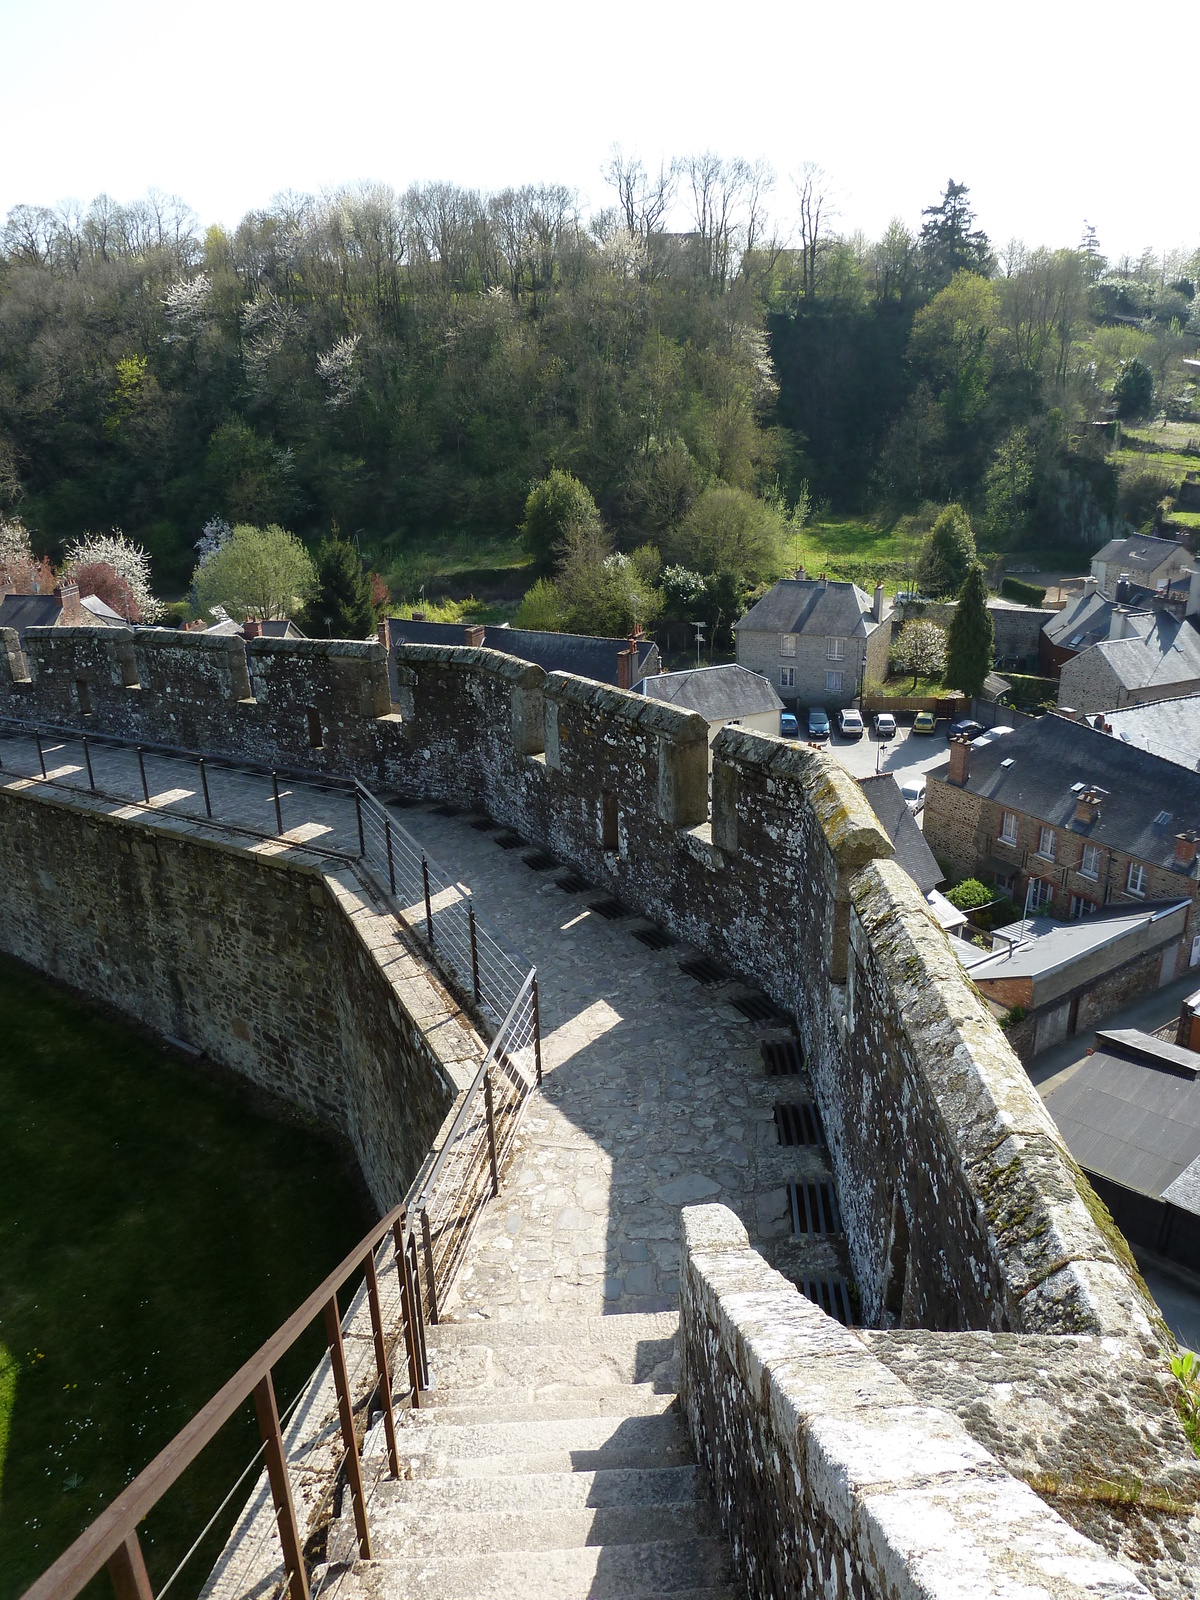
x: 1051, y: 110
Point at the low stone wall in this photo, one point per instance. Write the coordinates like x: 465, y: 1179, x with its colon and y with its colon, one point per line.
x: 273, y: 966
x: 831, y: 1476
x: 1018, y: 629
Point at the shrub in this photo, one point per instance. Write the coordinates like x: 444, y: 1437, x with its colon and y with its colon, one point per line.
x: 1025, y: 594
x: 541, y: 609
x: 1133, y: 392
x: 729, y: 530
x: 949, y: 554
x: 1141, y: 494
x: 1012, y: 1016
x: 556, y: 506
x: 969, y: 894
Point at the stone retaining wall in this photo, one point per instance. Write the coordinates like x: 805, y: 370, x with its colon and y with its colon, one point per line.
x: 832, y: 1476
x: 275, y: 967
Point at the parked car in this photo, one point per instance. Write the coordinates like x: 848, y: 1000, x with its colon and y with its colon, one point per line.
x: 885, y: 725
x: 789, y: 728
x: 964, y: 728
x: 924, y: 722
x: 850, y: 724
x: 818, y: 723
x: 913, y: 790
x: 991, y: 735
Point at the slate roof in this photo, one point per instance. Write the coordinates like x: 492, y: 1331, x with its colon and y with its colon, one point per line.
x: 812, y: 606
x: 108, y: 617
x: 21, y: 611
x: 717, y: 693
x: 1131, y: 1110
x: 579, y: 653
x: 1164, y: 650
x: 1166, y: 728
x: 1139, y: 554
x: 1048, y: 755
x: 272, y: 628
x: 1085, y: 621
x: 912, y: 853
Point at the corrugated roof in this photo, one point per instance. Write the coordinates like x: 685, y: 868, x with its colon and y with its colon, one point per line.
x: 814, y: 606
x: 902, y: 828
x: 1127, y: 1118
x: 716, y: 693
x: 1047, y: 756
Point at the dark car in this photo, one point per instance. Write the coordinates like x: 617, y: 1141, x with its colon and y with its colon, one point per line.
x: 964, y: 728
x: 818, y: 723
x: 789, y: 728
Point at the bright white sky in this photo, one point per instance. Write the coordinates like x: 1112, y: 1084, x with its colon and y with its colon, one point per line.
x: 1051, y: 110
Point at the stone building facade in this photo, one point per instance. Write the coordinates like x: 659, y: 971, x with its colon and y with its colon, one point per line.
x: 816, y: 640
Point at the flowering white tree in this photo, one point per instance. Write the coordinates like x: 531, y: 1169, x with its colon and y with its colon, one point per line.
x: 128, y: 560
x: 186, y: 305
x: 215, y: 533
x: 336, y: 369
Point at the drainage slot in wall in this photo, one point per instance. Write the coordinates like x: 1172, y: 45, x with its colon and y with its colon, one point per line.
x: 484, y: 825
x: 799, y: 1124
x: 832, y: 1297
x: 571, y: 883
x: 755, y: 1007
x: 703, y: 968
x: 539, y: 861
x: 781, y: 1057
x: 655, y: 938
x: 508, y: 840
x: 814, y: 1209
x: 610, y: 908
x: 446, y: 809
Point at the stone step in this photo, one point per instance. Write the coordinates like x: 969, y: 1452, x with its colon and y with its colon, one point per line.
x: 686, y: 1569
x: 617, y: 1330
x: 464, y: 1405
x: 481, y: 1355
x: 424, y: 1529
x: 551, y: 1491
x: 572, y: 1433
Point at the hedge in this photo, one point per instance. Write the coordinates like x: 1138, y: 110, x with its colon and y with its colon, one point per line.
x: 1026, y: 594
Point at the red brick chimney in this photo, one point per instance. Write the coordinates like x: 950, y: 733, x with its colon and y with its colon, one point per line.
x: 1185, y: 849
x: 67, y: 595
x: 252, y: 628
x: 626, y: 666
x: 960, y: 762
x: 385, y: 633
x: 474, y: 634
x: 1087, y: 806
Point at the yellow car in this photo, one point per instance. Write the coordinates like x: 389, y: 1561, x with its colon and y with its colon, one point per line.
x: 925, y: 722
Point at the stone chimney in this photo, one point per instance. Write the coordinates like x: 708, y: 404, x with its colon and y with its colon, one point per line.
x: 626, y: 667
x: 385, y: 634
x: 877, y: 604
x: 801, y: 575
x: 1116, y: 626
x: 1185, y: 849
x: 474, y: 634
x: 1087, y: 806
x: 960, y: 762
x: 252, y: 628
x: 419, y: 616
x: 1192, y: 609
x: 67, y: 595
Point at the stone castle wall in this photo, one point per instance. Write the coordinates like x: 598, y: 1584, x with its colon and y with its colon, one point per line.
x: 964, y: 1207
x: 279, y: 970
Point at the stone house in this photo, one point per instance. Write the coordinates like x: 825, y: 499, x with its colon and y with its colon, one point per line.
x: 1149, y: 563
x: 623, y: 662
x: 1147, y: 656
x: 62, y: 609
x: 722, y: 695
x: 817, y: 640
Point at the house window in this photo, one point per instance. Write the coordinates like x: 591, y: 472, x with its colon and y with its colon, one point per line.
x: 1008, y: 827
x: 833, y: 683
x: 787, y: 644
x: 1006, y: 883
x: 1047, y: 843
x: 1041, y: 893
x: 835, y: 649
x: 1136, y: 881
x: 1089, y: 866
x: 787, y: 677
x: 1081, y: 907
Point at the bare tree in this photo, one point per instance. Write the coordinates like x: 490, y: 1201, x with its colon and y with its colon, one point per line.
x: 817, y: 210
x: 643, y: 197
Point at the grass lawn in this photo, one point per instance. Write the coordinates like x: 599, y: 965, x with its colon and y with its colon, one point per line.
x: 851, y: 547
x: 458, y: 565
x: 1174, y: 462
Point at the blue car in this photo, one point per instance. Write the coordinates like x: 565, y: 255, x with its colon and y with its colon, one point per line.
x: 818, y: 723
x: 789, y: 728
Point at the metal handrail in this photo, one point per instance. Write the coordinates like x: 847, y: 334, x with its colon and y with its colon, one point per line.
x: 471, y: 955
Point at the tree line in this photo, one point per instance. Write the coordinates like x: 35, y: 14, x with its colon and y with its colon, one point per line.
x: 394, y: 367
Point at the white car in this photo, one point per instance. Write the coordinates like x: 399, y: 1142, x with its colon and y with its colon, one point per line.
x: 885, y: 725
x: 992, y: 735
x: 913, y: 790
x: 850, y: 724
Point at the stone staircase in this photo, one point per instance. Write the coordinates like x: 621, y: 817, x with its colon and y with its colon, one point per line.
x: 551, y: 1461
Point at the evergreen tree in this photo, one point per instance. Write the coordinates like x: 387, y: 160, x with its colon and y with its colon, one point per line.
x: 343, y: 607
x: 971, y: 637
x: 949, y: 554
x: 950, y: 242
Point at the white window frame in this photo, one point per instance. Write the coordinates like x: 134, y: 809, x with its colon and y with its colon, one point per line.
x: 1135, y: 880
x: 787, y: 677
x: 1047, y: 844
x: 1042, y: 895
x: 787, y: 644
x: 835, y: 649
x: 833, y: 683
x: 1009, y: 834
x: 1091, y: 852
x: 1081, y: 906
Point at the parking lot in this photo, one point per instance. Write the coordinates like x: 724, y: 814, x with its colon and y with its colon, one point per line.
x: 902, y: 755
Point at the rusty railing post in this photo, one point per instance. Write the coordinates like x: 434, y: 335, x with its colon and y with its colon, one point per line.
x: 491, y: 1132
x: 387, y: 830
x: 142, y: 770
x: 406, y: 1302
x: 41, y: 757
x: 429, y: 1272
x: 537, y: 1031
x: 428, y: 905
x: 204, y: 786
x: 341, y: 1382
x: 278, y: 807
x: 381, y: 1362
x: 362, y: 843
x: 474, y: 952
x: 127, y: 1569
x: 414, y: 1278
x: 87, y: 756
x: 281, y: 1490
